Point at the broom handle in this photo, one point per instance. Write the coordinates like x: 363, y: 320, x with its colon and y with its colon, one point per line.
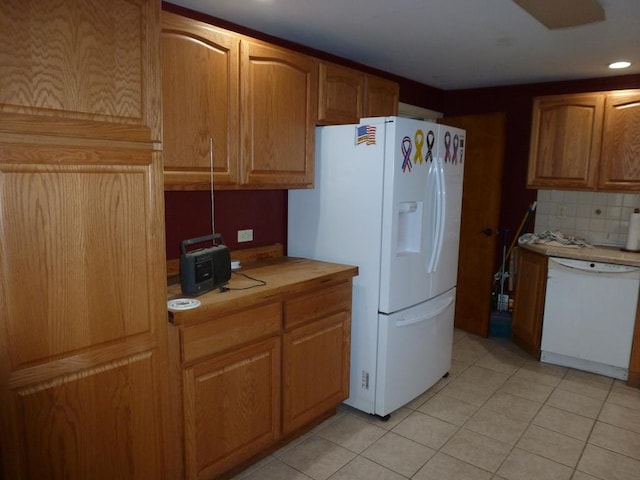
x: 530, y: 210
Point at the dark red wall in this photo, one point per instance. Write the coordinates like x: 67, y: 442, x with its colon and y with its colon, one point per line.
x: 188, y: 215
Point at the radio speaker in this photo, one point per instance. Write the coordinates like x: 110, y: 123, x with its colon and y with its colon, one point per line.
x: 204, y: 269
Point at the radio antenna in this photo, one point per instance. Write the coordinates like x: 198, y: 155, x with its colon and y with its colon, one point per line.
x: 213, y: 223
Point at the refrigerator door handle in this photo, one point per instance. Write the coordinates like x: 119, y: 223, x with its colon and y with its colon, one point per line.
x: 435, y: 313
x: 441, y: 214
x: 432, y: 187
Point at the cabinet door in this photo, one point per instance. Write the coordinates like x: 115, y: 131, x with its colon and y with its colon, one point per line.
x: 83, y: 338
x: 565, y: 141
x: 80, y: 68
x: 315, y: 369
x: 381, y: 97
x: 620, y: 158
x: 231, y: 408
x: 200, y: 104
x: 341, y: 95
x: 279, y: 101
x: 83, y: 341
x: 529, y: 301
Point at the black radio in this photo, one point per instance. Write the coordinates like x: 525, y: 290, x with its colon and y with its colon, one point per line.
x: 204, y: 269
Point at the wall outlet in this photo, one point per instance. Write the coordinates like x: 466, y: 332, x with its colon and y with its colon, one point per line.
x: 561, y: 211
x: 245, y: 235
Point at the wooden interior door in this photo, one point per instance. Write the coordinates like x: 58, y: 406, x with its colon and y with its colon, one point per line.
x: 482, y: 188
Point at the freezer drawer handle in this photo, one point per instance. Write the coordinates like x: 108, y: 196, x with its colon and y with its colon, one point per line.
x: 413, y: 321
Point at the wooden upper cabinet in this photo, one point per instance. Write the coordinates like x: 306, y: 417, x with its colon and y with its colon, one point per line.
x: 88, y: 69
x: 566, y: 134
x: 341, y: 95
x: 586, y: 141
x: 201, y: 104
x: 620, y: 158
x: 279, y: 101
x: 347, y: 95
x: 381, y: 97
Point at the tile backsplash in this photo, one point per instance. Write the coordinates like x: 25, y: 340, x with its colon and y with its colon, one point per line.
x: 597, y: 217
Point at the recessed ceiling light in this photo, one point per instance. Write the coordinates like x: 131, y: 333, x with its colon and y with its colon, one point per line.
x: 619, y: 64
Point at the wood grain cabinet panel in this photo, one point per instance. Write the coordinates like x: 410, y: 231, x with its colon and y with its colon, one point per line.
x: 99, y: 424
x: 586, y: 141
x: 200, y: 103
x: 230, y: 331
x: 341, y: 95
x: 317, y: 304
x: 279, y: 95
x: 620, y: 158
x: 528, y: 309
x: 316, y: 353
x: 69, y: 239
x: 82, y: 238
x: 246, y: 382
x: 80, y: 67
x: 566, y: 135
x: 231, y: 408
x: 347, y: 95
x: 315, y: 369
x: 381, y: 97
x: 255, y: 102
x: 83, y: 335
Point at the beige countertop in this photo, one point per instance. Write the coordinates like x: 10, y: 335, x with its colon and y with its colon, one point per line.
x: 596, y: 254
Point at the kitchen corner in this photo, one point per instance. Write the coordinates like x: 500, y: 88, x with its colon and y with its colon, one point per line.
x: 573, y: 306
x: 260, y: 361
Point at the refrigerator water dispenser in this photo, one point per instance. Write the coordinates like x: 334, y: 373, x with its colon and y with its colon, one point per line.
x: 409, y: 227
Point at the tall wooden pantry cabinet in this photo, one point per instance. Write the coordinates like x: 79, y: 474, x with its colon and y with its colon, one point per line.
x: 82, y: 284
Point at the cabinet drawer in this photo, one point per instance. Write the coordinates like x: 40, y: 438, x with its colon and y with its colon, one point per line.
x: 317, y: 304
x: 230, y: 331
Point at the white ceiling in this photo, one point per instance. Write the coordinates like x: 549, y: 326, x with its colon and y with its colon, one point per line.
x: 448, y: 44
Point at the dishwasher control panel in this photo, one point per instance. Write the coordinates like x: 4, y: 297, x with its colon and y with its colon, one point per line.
x: 596, y: 267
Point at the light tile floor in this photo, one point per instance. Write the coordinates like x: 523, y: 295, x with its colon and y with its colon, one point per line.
x: 499, y: 415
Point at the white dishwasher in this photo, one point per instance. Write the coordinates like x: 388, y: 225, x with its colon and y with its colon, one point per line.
x: 589, y: 315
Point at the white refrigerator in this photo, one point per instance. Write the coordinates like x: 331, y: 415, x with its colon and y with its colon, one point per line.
x: 387, y: 198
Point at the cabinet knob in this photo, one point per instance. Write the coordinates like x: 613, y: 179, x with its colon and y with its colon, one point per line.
x: 488, y: 231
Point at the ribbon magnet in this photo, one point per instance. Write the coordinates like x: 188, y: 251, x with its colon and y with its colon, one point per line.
x: 431, y: 140
x: 447, y: 147
x: 406, y: 154
x: 456, y: 142
x: 419, y: 140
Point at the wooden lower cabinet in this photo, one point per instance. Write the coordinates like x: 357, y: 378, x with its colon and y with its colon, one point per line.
x: 254, y: 377
x: 314, y: 370
x: 528, y: 309
x: 232, y: 408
